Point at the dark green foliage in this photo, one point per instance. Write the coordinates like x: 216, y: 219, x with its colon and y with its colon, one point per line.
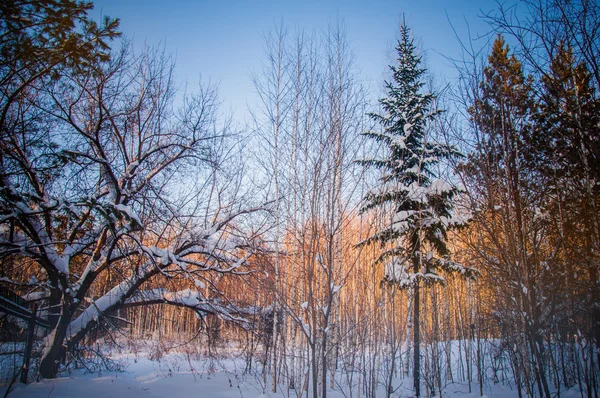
x: 423, y: 205
x: 45, y: 38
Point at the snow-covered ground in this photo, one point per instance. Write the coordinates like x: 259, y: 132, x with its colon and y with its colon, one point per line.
x: 181, y: 375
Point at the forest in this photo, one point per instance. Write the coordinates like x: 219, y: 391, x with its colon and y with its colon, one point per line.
x: 442, y: 235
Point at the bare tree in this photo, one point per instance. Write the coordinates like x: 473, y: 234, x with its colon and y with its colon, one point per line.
x: 97, y: 185
x: 311, y: 142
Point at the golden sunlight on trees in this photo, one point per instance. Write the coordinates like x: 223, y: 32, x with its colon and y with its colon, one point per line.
x: 334, y: 245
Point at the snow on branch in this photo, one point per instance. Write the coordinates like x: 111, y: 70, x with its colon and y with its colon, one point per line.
x: 397, y: 273
x: 398, y: 270
x: 194, y: 300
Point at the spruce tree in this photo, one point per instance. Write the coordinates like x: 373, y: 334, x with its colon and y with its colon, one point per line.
x: 415, y: 251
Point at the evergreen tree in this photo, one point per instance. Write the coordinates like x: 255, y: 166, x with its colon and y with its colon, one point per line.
x: 568, y: 120
x: 566, y: 152
x: 415, y: 251
x: 508, y: 193
x: 43, y: 39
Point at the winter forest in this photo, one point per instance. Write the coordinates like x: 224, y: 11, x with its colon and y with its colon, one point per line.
x: 440, y: 240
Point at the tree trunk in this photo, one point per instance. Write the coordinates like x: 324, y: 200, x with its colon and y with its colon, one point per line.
x: 417, y: 342
x: 55, y: 352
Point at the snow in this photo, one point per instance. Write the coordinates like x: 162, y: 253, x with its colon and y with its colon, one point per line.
x: 94, y: 311
x: 131, y: 167
x: 129, y: 213
x: 403, y: 215
x: 199, y: 284
x: 335, y: 288
x: 456, y: 220
x: 61, y: 263
x: 172, y: 377
x: 399, y: 142
x: 399, y: 271
x: 35, y: 296
x: 439, y: 187
x: 414, y: 192
x: 181, y: 375
x: 395, y: 270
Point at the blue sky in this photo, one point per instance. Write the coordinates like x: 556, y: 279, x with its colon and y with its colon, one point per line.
x: 223, y: 40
